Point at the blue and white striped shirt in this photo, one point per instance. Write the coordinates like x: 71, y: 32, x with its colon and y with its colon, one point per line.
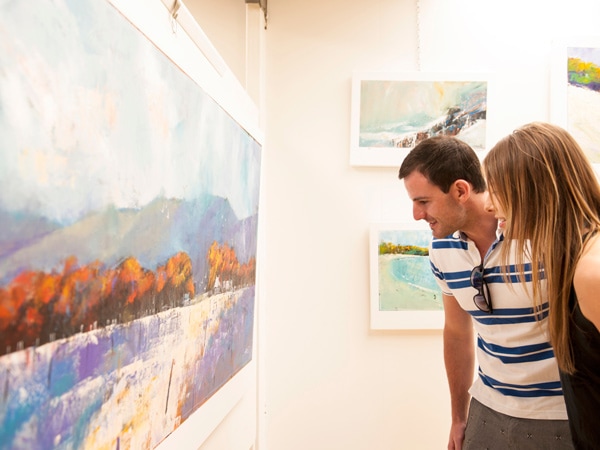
x: 518, y: 374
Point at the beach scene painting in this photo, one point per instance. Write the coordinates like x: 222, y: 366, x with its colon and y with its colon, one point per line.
x: 583, y: 98
x: 392, y: 113
x: 404, y: 293
x: 128, y: 234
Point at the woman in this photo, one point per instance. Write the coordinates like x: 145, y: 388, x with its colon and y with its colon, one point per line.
x: 547, y: 198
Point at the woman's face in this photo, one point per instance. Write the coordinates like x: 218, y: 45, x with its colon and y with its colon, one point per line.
x: 492, y: 205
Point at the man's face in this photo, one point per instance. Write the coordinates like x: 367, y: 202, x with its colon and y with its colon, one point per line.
x: 441, y: 211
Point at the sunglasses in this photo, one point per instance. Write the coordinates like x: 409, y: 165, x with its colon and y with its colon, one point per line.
x: 482, y: 299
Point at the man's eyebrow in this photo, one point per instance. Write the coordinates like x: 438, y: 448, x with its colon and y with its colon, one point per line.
x: 420, y: 198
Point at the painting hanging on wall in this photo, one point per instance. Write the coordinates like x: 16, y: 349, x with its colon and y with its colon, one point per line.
x: 128, y: 233
x: 393, y: 112
x: 576, y: 93
x: 404, y: 293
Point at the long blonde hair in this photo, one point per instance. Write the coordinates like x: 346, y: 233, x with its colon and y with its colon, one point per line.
x: 551, y: 197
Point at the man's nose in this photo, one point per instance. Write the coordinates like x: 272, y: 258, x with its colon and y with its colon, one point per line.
x: 418, y: 212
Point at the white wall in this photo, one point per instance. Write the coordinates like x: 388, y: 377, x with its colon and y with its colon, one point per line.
x: 225, y: 22
x: 329, y: 382
x: 333, y: 384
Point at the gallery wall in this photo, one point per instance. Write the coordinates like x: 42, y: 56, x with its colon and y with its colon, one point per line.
x: 333, y: 383
x: 225, y: 22
x: 329, y: 382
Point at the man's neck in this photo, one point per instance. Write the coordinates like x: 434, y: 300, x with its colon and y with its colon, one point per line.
x: 483, y: 232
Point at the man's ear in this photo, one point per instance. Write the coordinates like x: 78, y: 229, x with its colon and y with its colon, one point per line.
x: 461, y: 189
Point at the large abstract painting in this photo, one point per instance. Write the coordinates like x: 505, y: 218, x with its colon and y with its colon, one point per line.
x: 128, y: 233
x: 404, y: 293
x: 393, y: 112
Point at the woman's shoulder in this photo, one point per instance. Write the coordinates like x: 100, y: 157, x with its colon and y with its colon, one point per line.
x: 587, y: 281
x: 590, y: 257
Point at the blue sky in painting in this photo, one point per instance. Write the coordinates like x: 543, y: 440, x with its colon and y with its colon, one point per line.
x: 103, y: 118
x: 409, y: 104
x: 588, y: 54
x: 406, y: 237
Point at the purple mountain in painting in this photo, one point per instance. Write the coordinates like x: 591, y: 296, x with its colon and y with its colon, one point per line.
x: 151, y: 234
x: 20, y: 230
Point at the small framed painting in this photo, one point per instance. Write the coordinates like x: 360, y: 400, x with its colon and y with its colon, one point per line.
x: 575, y: 98
x: 404, y: 293
x: 393, y: 112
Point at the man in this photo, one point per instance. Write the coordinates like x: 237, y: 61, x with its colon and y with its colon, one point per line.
x: 515, y: 401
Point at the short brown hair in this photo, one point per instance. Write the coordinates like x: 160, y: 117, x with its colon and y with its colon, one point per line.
x: 443, y: 160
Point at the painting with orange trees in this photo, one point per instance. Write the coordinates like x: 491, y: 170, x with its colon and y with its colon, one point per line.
x: 128, y: 233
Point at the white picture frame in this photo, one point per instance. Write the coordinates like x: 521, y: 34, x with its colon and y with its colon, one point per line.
x: 404, y: 293
x: 392, y: 111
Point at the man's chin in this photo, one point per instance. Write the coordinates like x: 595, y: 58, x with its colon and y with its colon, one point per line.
x: 438, y: 233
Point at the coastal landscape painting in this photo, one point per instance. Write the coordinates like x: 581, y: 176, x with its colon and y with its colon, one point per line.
x: 392, y: 113
x: 128, y: 233
x: 404, y: 293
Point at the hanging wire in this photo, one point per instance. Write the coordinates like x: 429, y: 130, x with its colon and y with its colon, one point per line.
x: 418, y: 35
x: 174, y: 14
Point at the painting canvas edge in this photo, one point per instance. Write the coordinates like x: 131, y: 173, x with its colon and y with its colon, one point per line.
x: 155, y: 22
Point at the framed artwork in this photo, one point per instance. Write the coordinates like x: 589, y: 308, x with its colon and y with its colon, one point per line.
x: 404, y: 293
x: 393, y: 112
x: 575, y: 98
x: 128, y: 230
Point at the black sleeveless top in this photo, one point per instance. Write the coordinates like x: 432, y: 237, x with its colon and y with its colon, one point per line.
x: 582, y: 389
